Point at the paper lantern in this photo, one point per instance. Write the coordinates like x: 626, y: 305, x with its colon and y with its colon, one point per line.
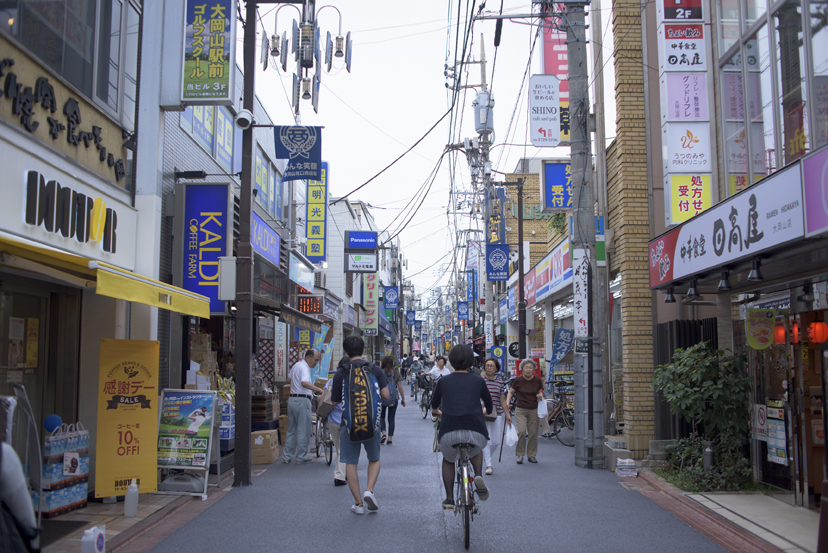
x: 795, y: 333
x: 817, y: 332
x: 779, y: 334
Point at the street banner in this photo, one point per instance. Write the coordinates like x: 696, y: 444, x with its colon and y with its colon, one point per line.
x: 463, y: 310
x: 302, y: 147
x: 499, y: 353
x: 563, y: 343
x: 316, y: 215
x: 370, y: 299
x: 497, y: 262
x: 127, y: 415
x: 488, y: 330
x: 392, y: 297
x: 320, y: 371
x: 209, y: 64
x: 580, y: 292
x: 184, y: 429
x: 418, y: 326
x: 410, y: 318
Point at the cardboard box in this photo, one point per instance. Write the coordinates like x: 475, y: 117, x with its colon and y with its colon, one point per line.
x: 227, y: 432
x: 228, y: 420
x: 200, y: 342
x: 320, y: 382
x: 285, y: 392
x: 202, y: 356
x: 264, y: 439
x: 190, y: 387
x: 226, y: 408
x: 264, y: 456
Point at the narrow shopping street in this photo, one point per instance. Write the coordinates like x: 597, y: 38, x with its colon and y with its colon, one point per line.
x: 551, y: 506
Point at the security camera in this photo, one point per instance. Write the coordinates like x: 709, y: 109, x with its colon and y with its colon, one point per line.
x: 244, y: 119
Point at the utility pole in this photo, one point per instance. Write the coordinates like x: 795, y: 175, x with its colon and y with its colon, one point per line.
x: 589, y: 420
x: 521, y: 299
x: 244, y: 261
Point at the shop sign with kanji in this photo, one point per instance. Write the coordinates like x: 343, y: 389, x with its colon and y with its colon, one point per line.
x: 682, y: 48
x: 209, y: 53
x: 316, y: 216
x: 556, y: 188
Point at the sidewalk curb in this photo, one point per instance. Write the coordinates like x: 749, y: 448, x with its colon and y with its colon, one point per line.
x: 720, y: 530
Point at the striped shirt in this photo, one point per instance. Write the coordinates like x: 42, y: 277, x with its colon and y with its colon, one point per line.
x: 496, y: 388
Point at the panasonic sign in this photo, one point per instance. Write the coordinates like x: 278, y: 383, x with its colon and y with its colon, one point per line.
x: 360, y: 240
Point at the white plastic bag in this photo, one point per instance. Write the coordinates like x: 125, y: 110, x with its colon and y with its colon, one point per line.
x: 543, y: 412
x: 511, y: 436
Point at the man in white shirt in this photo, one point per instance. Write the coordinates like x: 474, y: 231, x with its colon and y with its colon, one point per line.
x: 299, y: 409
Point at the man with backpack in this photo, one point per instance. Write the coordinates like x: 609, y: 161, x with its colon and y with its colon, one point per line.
x: 361, y: 387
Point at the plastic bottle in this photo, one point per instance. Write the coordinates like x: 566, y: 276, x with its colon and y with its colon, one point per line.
x: 88, y: 541
x: 131, y: 500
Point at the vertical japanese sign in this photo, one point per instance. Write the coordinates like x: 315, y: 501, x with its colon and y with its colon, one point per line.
x: 497, y: 261
x: 184, y: 428
x: 392, y: 297
x: 127, y: 416
x: 556, y: 187
x: 316, y: 217
x: 544, y: 111
x: 471, y: 278
x: 205, y: 240
x: 777, y: 435
x: 410, y: 318
x: 689, y: 196
x: 280, y: 351
x: 555, y: 62
x: 370, y: 299
x: 209, y: 64
x: 499, y: 353
x: 581, y: 268
x: 462, y: 310
x: 496, y: 224
x: 488, y: 330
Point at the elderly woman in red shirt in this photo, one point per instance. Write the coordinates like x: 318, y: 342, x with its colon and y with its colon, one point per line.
x: 529, y: 390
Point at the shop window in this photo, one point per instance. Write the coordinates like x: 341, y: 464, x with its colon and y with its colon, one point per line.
x: 733, y: 110
x: 224, y: 138
x: 760, y: 105
x: 754, y: 9
x: 131, y: 68
x: 349, y: 285
x: 203, y: 130
x: 728, y: 12
x: 185, y: 120
x: 819, y: 57
x: 791, y: 81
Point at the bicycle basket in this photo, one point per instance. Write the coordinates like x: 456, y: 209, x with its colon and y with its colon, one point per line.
x: 422, y: 383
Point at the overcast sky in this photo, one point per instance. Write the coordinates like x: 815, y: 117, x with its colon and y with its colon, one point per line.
x: 395, y: 93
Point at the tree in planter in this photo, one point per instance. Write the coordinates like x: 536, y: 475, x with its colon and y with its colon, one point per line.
x: 707, y: 387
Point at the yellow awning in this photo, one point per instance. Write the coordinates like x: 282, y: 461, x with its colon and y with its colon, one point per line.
x: 107, y: 279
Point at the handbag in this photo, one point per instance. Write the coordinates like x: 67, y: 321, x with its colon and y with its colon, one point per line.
x: 324, y: 405
x: 543, y: 410
x: 511, y: 437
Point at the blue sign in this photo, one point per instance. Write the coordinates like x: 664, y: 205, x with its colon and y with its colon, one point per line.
x: 418, y: 326
x: 499, y: 353
x: 512, y: 301
x: 410, y: 318
x: 360, y: 240
x: 392, y: 297
x: 264, y: 239
x: 557, y: 186
x: 504, y: 308
x: 316, y: 215
x: 471, y: 284
x: 425, y: 337
x: 463, y: 310
x: 457, y: 330
x: 205, y: 240
x: 302, y: 147
x: 563, y: 343
x: 497, y: 262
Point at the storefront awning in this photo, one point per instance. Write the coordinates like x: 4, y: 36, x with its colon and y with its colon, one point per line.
x: 293, y: 317
x: 105, y: 279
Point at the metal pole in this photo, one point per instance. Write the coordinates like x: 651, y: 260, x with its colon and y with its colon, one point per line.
x: 244, y: 260
x: 521, y: 298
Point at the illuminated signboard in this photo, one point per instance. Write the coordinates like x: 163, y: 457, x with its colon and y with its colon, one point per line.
x: 312, y: 305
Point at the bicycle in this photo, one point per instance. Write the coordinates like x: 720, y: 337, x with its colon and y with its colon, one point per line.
x: 323, y: 438
x: 425, y: 397
x: 561, y: 418
x: 464, y: 490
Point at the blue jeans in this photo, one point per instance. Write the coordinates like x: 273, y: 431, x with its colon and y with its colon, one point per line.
x: 299, y: 428
x: 392, y: 412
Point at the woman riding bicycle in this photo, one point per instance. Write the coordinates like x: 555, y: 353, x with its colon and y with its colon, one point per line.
x: 462, y: 419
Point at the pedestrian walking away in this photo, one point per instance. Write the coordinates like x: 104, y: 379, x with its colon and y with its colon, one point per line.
x: 456, y: 401
x: 335, y: 428
x: 495, y: 427
x: 299, y: 409
x: 529, y: 390
x: 361, y: 387
x: 395, y: 393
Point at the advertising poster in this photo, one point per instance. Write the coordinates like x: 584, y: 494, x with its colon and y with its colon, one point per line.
x: 209, y: 63
x: 184, y: 428
x: 32, y: 333
x: 777, y: 436
x: 689, y: 196
x: 127, y: 416
x: 759, y: 328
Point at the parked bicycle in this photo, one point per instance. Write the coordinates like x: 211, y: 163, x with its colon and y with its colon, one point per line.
x: 561, y: 417
x: 322, y: 435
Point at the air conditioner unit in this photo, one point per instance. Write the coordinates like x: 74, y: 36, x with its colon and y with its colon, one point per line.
x: 319, y: 279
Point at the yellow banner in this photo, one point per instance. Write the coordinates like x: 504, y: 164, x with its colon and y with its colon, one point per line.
x: 127, y: 417
x: 759, y: 328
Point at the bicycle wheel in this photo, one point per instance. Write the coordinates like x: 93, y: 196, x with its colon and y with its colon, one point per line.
x: 424, y: 404
x: 565, y: 428
x: 318, y: 435
x: 466, y: 526
x: 327, y: 443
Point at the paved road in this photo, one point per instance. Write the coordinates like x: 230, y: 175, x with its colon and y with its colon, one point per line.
x: 551, y: 506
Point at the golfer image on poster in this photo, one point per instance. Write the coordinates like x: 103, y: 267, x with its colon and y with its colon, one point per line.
x: 198, y: 417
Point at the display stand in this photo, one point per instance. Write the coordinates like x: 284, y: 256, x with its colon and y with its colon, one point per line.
x: 185, y: 443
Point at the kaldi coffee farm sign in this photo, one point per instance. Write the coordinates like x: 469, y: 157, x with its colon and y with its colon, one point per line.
x: 762, y: 217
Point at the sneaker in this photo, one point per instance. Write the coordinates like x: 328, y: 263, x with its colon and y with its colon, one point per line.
x: 285, y: 461
x: 532, y: 460
x: 488, y: 470
x: 304, y: 461
x: 448, y: 504
x: 338, y: 482
x: 358, y: 509
x: 481, y: 489
x: 520, y: 460
x: 370, y: 501
x: 382, y: 441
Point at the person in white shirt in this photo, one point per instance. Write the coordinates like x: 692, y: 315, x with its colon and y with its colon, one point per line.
x: 299, y: 409
x: 439, y: 369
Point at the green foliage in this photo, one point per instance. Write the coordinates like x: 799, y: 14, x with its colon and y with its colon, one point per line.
x: 685, y: 465
x: 708, y: 388
x: 557, y: 223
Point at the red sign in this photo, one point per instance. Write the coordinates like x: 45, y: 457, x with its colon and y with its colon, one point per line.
x: 529, y: 288
x: 312, y: 305
x: 663, y: 257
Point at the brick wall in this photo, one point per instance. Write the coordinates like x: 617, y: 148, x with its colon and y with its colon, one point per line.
x: 628, y: 215
x: 532, y: 218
